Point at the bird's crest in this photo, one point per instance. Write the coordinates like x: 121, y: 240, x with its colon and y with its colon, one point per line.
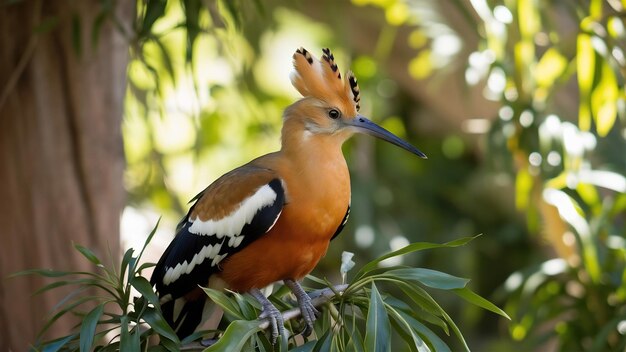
x: 321, y: 78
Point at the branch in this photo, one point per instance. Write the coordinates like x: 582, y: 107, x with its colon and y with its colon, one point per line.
x: 318, y: 298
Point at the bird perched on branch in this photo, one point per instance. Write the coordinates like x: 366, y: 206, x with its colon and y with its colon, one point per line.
x: 273, y: 218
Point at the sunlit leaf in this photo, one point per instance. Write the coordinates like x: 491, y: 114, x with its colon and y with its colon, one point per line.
x: 550, y: 67
x: 604, y: 100
x: 595, y: 8
x: 585, y: 63
x: 523, y: 187
x: 154, y: 10
x: 530, y: 22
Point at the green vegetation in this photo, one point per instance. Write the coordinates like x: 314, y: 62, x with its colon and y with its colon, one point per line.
x: 358, y: 318
x: 544, y: 180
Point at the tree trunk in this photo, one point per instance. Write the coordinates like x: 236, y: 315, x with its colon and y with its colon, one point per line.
x: 61, y: 153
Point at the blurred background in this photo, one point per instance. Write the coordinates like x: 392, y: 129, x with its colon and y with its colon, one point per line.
x: 113, y: 114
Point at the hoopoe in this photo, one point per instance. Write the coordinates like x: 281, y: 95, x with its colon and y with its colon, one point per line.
x: 273, y: 218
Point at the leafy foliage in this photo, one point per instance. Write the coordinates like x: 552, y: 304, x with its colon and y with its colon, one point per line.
x: 563, y: 154
x: 361, y: 316
x: 569, y: 178
x: 113, y: 318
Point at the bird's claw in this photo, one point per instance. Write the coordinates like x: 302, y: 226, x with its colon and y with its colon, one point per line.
x: 307, y: 309
x: 275, y: 317
x: 309, y: 314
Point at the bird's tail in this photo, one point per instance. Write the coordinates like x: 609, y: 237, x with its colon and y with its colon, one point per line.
x: 187, y: 316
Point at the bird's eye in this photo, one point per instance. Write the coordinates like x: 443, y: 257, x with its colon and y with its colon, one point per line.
x: 334, y: 114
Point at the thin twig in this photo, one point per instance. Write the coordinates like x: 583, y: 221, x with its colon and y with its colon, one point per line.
x: 318, y: 298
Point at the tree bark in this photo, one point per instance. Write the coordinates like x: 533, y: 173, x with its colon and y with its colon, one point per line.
x: 61, y: 153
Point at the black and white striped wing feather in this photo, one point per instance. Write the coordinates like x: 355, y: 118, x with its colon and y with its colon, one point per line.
x: 199, y: 246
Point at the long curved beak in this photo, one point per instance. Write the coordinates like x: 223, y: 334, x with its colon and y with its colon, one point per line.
x: 364, y: 125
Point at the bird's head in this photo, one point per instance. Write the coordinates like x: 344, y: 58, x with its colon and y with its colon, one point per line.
x: 330, y: 107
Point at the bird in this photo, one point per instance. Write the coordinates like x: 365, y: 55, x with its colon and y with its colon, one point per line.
x: 273, y: 218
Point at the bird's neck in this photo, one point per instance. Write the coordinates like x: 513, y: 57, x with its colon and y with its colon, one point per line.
x: 313, y: 151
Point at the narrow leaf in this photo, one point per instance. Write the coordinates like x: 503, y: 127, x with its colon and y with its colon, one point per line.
x: 222, y: 300
x: 307, y: 347
x: 88, y: 328
x: 585, y: 64
x: 377, y: 326
x: 155, y: 9
x: 87, y: 253
x: 430, y: 278
x: 236, y: 335
x: 476, y: 299
x: 414, y: 247
x: 158, y: 323
x: 58, y: 344
x: 437, y: 344
x: 142, y: 285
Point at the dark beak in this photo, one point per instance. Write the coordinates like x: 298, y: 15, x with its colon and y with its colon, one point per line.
x: 363, y: 125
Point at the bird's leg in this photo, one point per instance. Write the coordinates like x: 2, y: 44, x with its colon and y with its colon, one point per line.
x: 306, y: 306
x: 271, y: 312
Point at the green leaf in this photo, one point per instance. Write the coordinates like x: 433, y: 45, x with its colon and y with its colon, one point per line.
x: 144, y: 287
x: 87, y: 253
x: 88, y: 328
x: 402, y: 327
x: 62, y: 283
x: 158, y: 323
x: 427, y: 334
x: 585, y: 64
x: 307, y: 347
x: 128, y: 342
x: 414, y: 247
x: 126, y: 259
x: 476, y: 299
x: 42, y: 272
x: 604, y: 100
x: 222, y: 300
x: 324, y: 342
x: 58, y: 344
x: 430, y: 278
x: 155, y: 9
x: 148, y: 240
x: 377, y: 326
x: 428, y: 312
x: 236, y: 336
x: 550, y: 67
x: 67, y: 308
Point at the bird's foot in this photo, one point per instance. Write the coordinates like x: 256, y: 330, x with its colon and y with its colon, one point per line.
x: 307, y: 309
x: 272, y: 313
